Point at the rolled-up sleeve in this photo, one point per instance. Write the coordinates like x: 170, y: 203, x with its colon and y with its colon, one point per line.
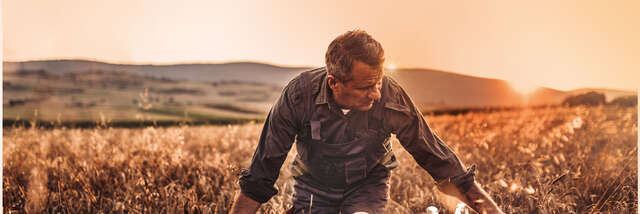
x: 278, y: 133
x: 428, y: 150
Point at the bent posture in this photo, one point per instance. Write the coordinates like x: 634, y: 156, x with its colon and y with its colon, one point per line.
x: 341, y: 118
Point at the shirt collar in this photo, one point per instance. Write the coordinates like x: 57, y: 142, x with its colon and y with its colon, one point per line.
x: 322, y: 88
x: 324, y: 93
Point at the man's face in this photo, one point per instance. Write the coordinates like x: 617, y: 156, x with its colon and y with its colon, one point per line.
x: 361, y: 91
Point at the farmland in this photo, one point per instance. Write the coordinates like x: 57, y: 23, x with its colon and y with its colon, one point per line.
x: 121, y: 97
x: 543, y: 160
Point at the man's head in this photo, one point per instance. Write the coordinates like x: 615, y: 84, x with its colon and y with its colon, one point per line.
x: 354, y: 65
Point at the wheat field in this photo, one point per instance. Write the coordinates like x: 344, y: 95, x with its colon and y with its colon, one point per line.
x: 546, y: 160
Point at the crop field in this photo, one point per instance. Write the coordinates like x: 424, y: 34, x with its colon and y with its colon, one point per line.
x: 544, y: 160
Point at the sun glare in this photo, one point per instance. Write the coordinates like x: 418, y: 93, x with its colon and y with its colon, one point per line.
x: 523, y: 87
x: 390, y: 67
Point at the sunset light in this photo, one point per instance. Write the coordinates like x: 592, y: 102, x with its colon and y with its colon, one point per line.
x: 390, y: 67
x: 556, y: 40
x: 523, y: 87
x: 287, y: 106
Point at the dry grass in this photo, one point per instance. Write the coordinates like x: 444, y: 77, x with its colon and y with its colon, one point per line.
x: 557, y: 160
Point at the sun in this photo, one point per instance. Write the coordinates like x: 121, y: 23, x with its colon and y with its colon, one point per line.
x: 390, y: 67
x: 523, y: 87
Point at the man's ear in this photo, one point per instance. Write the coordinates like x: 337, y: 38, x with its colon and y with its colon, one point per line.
x: 332, y: 81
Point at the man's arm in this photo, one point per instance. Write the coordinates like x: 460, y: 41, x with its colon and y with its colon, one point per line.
x: 276, y: 139
x: 431, y: 153
x: 244, y: 205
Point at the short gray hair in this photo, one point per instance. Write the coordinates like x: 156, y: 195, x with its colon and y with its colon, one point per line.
x: 350, y: 46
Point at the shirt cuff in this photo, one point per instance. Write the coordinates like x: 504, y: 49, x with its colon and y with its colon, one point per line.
x: 256, y: 188
x: 465, y: 180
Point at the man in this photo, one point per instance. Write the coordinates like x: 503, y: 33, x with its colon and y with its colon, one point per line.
x: 341, y: 118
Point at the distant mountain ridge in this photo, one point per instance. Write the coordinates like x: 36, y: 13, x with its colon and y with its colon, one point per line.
x: 430, y: 89
x: 234, y: 71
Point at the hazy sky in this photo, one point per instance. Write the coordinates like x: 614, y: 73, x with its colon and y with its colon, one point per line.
x: 559, y: 44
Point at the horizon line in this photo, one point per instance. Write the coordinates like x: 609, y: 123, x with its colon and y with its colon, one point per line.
x: 156, y: 63
x: 284, y: 66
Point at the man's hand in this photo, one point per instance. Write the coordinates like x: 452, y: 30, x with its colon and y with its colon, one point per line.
x: 475, y: 197
x: 244, y: 205
x: 481, y: 201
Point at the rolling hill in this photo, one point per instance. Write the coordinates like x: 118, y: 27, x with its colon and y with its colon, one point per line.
x: 433, y: 89
x: 430, y: 89
x: 235, y: 71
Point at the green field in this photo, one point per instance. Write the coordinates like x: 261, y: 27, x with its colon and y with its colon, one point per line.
x: 123, y: 97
